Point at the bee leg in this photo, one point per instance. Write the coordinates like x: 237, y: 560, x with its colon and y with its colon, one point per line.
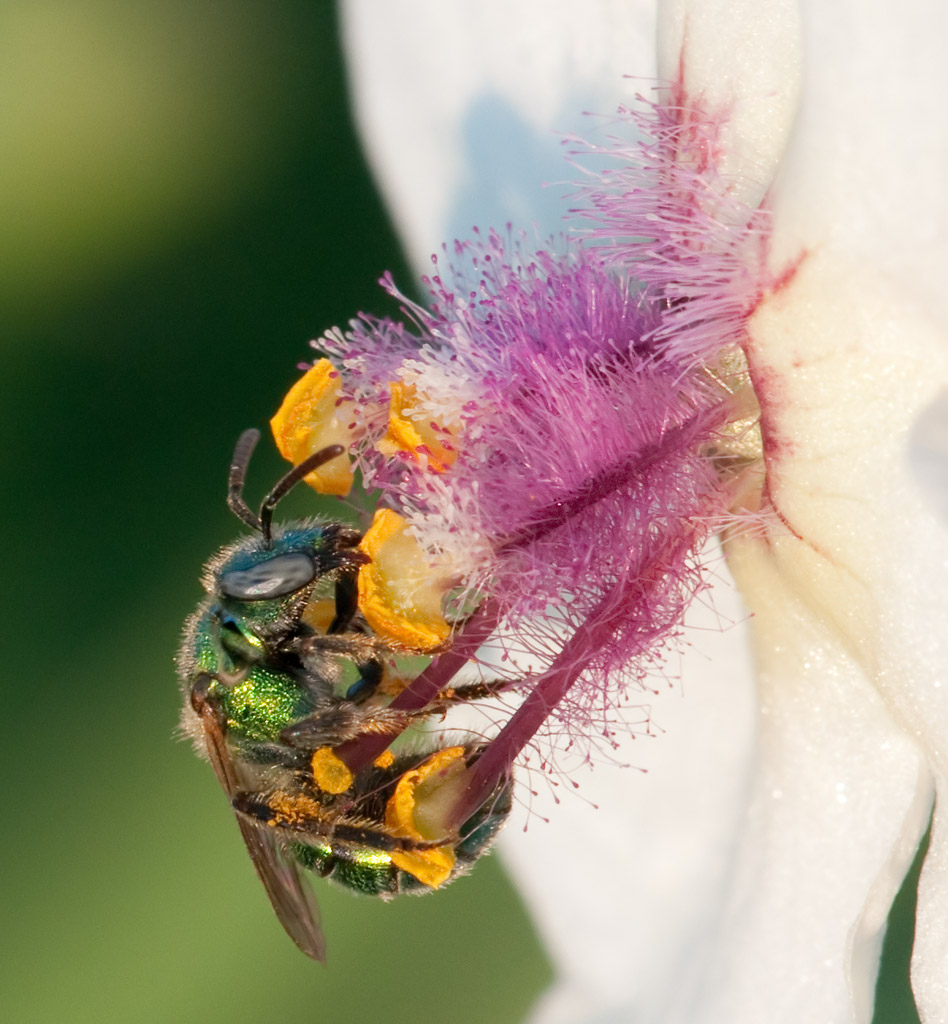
x: 343, y: 721
x: 452, y: 695
x: 323, y: 727
x: 370, y: 675
x: 473, y: 691
x: 275, y: 755
x: 380, y: 838
x: 203, y: 703
x: 301, y: 815
x: 354, y: 646
x: 347, y: 602
x: 349, y: 719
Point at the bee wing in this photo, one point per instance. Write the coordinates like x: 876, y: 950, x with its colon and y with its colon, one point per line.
x: 291, y: 898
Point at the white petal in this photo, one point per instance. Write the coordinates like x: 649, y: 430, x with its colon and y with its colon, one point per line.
x: 738, y: 60
x: 849, y: 590
x: 928, y: 455
x: 625, y: 892
x: 462, y: 106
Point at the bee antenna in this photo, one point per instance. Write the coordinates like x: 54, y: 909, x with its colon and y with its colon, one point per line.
x: 287, y: 483
x: 235, y: 479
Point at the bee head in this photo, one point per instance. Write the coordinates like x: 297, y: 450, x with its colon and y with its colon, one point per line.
x: 278, y: 568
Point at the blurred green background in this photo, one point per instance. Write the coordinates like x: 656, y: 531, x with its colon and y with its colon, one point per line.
x: 184, y: 205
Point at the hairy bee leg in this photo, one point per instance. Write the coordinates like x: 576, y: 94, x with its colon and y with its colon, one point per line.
x: 370, y: 675
x: 348, y: 720
x: 347, y: 537
x: 449, y: 697
x: 342, y: 722
x: 303, y: 816
x: 385, y: 841
x: 473, y: 691
x: 203, y: 704
x: 347, y: 602
x: 355, y: 646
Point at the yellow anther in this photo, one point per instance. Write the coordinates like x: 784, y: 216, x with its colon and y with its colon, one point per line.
x: 311, y: 418
x: 330, y: 773
x: 384, y: 760
x: 407, y: 433
x: 399, y: 592
x: 417, y: 809
x: 433, y: 867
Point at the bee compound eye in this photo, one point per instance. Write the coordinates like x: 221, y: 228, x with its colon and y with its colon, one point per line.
x: 275, y: 577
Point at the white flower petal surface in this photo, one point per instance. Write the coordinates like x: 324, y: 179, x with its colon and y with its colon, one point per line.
x: 714, y: 888
x: 462, y: 106
x: 849, y: 589
x: 740, y: 61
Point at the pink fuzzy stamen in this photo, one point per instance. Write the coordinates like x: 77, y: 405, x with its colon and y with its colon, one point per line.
x: 587, y: 389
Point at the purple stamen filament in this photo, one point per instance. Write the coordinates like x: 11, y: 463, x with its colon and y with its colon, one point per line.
x: 591, y: 637
x: 675, y: 439
x: 550, y: 688
x: 422, y: 690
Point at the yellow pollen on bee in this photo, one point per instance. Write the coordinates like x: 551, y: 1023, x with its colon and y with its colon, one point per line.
x: 311, y: 418
x: 292, y: 810
x: 408, y: 434
x: 415, y: 811
x: 330, y: 773
x: 399, y: 591
x: 384, y: 760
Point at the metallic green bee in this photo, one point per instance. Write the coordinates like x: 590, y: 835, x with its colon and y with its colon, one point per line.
x: 277, y: 668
